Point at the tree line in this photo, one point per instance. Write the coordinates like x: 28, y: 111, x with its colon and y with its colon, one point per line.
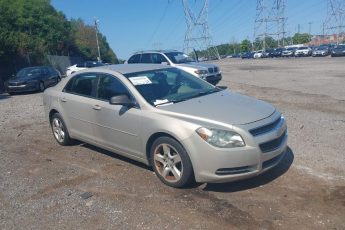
x: 246, y: 45
x: 32, y: 29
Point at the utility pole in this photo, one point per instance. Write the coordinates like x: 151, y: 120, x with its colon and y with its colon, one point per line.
x: 299, y: 29
x: 96, y: 31
x: 310, y: 23
x: 197, y: 36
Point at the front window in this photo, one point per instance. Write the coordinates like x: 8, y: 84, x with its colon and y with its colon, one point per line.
x: 179, y: 57
x: 166, y: 86
x: 109, y: 87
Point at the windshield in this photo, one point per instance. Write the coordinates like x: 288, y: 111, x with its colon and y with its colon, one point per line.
x: 168, y: 86
x: 303, y: 48
x: 179, y: 57
x: 29, y: 72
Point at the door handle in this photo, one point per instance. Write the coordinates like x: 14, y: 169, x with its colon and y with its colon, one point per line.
x: 96, y: 107
x: 63, y: 99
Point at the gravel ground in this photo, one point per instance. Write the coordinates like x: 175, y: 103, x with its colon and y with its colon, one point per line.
x: 46, y: 186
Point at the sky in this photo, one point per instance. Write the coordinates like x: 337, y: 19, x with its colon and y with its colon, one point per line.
x: 133, y: 25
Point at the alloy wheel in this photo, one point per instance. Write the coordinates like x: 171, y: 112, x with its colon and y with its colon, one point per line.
x: 168, y: 162
x: 58, y: 129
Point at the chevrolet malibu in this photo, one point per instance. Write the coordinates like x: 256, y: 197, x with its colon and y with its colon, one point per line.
x: 185, y: 128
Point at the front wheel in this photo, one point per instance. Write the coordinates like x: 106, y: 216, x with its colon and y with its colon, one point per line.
x: 171, y: 162
x: 41, y: 86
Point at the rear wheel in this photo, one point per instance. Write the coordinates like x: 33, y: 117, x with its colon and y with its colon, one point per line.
x: 60, y: 131
x: 171, y: 162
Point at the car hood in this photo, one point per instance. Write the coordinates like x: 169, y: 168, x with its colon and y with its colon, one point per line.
x: 196, y: 65
x: 224, y: 107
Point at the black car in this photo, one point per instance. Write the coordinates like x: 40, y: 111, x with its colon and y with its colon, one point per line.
x: 338, y: 51
x: 247, y: 55
x: 268, y: 53
x: 33, y: 79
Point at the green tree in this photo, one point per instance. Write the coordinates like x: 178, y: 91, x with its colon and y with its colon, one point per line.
x: 301, y: 38
x: 246, y: 45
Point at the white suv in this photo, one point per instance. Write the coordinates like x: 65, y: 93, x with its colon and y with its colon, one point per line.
x: 209, y: 72
x: 303, y: 51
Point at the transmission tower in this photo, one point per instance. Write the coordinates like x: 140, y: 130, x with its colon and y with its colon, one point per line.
x: 335, y: 20
x: 270, y: 21
x: 197, y: 36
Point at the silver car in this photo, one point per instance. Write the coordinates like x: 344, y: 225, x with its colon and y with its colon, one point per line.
x: 185, y: 128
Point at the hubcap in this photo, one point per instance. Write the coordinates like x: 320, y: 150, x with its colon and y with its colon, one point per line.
x: 58, y: 129
x: 168, y: 162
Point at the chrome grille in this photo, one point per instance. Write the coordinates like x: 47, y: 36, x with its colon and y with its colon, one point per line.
x: 266, y: 128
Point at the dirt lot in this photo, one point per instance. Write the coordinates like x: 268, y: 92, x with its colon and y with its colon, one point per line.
x: 46, y: 186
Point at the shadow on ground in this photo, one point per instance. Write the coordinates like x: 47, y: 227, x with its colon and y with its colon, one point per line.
x: 257, y: 181
x: 115, y: 155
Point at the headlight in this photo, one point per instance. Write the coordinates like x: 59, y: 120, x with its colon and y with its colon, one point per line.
x: 200, y: 72
x: 221, y: 138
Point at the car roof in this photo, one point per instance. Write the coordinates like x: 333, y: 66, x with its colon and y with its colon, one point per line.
x: 133, y: 68
x: 156, y: 51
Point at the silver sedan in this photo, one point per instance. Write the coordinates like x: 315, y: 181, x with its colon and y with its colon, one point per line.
x: 185, y: 128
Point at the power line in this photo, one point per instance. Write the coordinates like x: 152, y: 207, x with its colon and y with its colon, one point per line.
x: 197, y: 36
x: 270, y: 21
x: 335, y: 20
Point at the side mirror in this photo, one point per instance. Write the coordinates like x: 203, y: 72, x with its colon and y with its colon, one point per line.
x: 122, y: 99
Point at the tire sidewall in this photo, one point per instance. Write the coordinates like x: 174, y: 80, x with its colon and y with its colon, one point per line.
x: 67, y: 140
x: 187, y: 175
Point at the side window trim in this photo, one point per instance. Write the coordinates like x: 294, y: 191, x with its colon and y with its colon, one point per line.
x: 124, y: 85
x: 71, y: 81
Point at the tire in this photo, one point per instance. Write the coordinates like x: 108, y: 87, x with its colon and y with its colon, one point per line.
x: 60, y: 131
x: 58, y: 79
x: 41, y: 86
x: 171, y: 162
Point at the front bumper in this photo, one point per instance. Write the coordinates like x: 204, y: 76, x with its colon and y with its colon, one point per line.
x: 220, y: 165
x: 21, y: 88
x: 214, y: 79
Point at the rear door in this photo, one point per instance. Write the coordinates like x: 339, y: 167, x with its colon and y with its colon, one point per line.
x: 77, y: 101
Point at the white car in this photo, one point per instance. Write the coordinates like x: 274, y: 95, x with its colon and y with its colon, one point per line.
x: 206, y: 71
x: 77, y: 67
x: 303, y: 51
x: 258, y: 54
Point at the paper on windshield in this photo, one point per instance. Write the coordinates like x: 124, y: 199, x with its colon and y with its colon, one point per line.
x: 141, y: 80
x: 157, y: 102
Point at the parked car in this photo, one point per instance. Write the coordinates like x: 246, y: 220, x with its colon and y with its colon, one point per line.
x: 338, y: 51
x: 206, y: 71
x: 258, y: 54
x: 184, y: 127
x: 321, y: 51
x: 32, y: 79
x: 247, y: 55
x: 288, y: 52
x: 303, y: 51
x: 277, y: 52
x: 85, y: 65
x: 268, y: 53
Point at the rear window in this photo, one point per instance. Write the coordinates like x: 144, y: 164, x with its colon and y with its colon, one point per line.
x: 134, y: 59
